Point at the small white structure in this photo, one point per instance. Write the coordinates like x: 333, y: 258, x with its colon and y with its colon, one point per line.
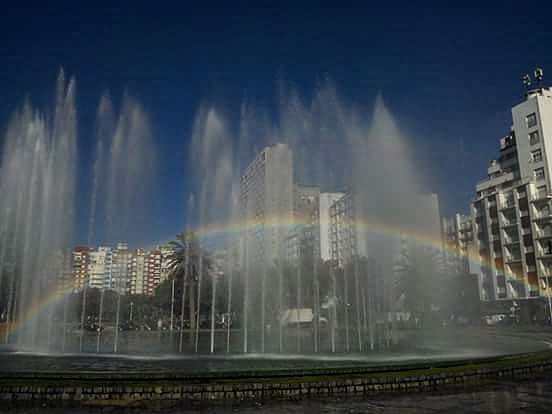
x: 296, y: 316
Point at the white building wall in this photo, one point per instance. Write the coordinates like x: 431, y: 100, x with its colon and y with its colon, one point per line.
x: 100, y: 267
x: 266, y: 197
x: 326, y: 200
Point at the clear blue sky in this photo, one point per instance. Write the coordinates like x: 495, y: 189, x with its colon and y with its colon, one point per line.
x: 449, y: 73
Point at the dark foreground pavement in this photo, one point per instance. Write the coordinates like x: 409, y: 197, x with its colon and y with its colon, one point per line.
x: 506, y: 397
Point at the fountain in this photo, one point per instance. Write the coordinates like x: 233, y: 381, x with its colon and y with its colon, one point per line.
x: 37, y: 184
x: 280, y: 298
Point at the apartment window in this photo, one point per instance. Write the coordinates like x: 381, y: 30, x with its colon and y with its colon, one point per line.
x: 536, y: 155
x: 531, y: 120
x: 539, y: 173
x: 534, y: 138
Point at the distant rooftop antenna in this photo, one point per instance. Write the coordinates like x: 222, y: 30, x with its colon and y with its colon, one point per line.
x: 526, y: 81
x: 538, y: 74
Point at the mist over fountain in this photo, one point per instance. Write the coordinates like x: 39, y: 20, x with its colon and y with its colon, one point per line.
x: 322, y: 145
x: 337, y: 147
x: 311, y: 250
x: 37, y: 183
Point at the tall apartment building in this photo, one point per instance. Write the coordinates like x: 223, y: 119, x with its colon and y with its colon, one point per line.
x: 457, y: 243
x: 137, y: 280
x: 325, y: 203
x: 152, y: 271
x: 101, y: 261
x: 512, y: 207
x: 120, y: 269
x: 344, y: 230
x: 351, y: 234
x: 81, y: 267
x: 266, y: 204
x: 303, y: 239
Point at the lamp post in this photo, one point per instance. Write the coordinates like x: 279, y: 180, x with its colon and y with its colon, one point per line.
x: 545, y: 285
x: 131, y: 308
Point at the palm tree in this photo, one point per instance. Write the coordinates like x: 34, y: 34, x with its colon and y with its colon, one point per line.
x: 184, y: 267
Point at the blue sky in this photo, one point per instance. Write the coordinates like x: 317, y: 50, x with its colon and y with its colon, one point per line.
x: 450, y: 73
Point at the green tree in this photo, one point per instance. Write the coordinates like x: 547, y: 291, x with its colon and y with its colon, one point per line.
x: 184, y: 267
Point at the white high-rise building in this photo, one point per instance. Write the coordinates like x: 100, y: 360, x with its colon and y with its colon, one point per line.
x: 352, y: 232
x: 303, y: 238
x: 457, y: 240
x: 512, y: 209
x: 137, y: 285
x: 266, y: 200
x: 120, y: 269
x: 326, y: 201
x: 100, y: 267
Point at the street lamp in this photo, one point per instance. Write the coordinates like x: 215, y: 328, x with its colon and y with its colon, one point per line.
x: 545, y: 285
x: 131, y: 307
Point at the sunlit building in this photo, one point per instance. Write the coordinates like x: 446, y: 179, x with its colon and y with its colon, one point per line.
x: 119, y: 278
x: 153, y: 260
x: 457, y: 242
x: 324, y: 214
x: 81, y: 267
x: 303, y: 238
x: 343, y: 230
x: 100, y: 267
x: 137, y: 280
x: 266, y: 203
x: 512, y: 207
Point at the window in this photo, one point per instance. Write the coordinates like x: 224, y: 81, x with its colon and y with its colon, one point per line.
x: 539, y: 173
x: 536, y: 155
x: 531, y: 120
x: 534, y: 138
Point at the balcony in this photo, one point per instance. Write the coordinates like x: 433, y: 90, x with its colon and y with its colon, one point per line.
x: 541, y: 234
x: 522, y: 194
x: 523, y: 213
x: 540, y: 196
x: 509, y: 223
x: 507, y: 204
x: 529, y: 249
x: 543, y: 215
x: 512, y: 258
x: 510, y: 240
x: 525, y: 230
x: 544, y: 254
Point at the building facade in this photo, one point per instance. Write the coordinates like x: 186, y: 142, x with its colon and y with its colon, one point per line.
x: 512, y: 207
x: 101, y: 261
x: 266, y: 205
x: 81, y: 267
x: 325, y: 203
x: 303, y: 238
x: 343, y: 230
x: 457, y: 244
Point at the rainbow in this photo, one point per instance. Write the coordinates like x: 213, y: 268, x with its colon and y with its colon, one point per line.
x: 51, y: 298
x: 216, y: 230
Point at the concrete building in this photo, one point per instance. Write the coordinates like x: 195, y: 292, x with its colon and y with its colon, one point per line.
x: 81, y: 267
x: 343, y: 230
x: 351, y: 234
x: 153, y: 260
x: 457, y: 241
x: 266, y: 204
x: 326, y: 201
x: 512, y: 207
x: 137, y: 282
x: 100, y: 267
x: 303, y: 238
x: 120, y: 269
